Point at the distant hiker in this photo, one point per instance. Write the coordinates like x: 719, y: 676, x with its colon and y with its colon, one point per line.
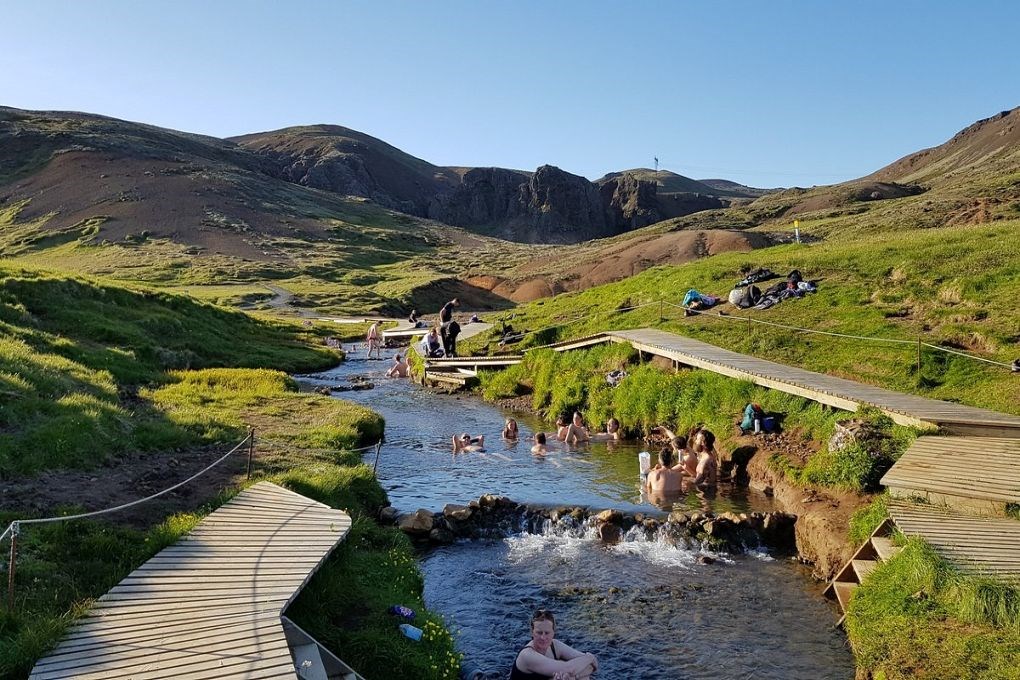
x: 545, y: 657
x: 539, y: 447
x: 374, y: 340
x: 465, y: 443
x: 398, y: 369
x: 431, y: 345
x: 510, y: 431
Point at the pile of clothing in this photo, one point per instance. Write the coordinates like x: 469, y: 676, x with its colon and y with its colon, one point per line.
x: 747, y: 296
x: 695, y: 301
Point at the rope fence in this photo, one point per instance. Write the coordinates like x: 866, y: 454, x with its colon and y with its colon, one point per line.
x: 14, y: 529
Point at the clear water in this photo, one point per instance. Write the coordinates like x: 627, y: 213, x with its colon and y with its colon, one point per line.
x: 647, y: 608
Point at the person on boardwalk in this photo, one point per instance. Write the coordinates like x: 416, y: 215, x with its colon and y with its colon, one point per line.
x: 398, y: 369
x: 545, y: 658
x: 445, y: 318
x: 431, y: 345
x: 510, y: 430
x: 465, y: 443
x: 374, y: 340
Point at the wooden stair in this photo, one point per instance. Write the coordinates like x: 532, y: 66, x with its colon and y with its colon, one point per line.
x: 877, y: 548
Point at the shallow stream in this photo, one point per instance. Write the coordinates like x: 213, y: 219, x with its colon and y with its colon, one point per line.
x: 646, y: 608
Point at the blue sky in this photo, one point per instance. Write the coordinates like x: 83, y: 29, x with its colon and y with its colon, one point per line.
x: 776, y: 93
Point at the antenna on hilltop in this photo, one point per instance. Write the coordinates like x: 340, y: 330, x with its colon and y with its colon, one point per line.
x: 656, y: 163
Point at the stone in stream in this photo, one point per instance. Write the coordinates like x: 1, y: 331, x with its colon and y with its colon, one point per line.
x: 418, y: 523
x: 459, y: 513
x: 441, y: 535
x: 388, y: 515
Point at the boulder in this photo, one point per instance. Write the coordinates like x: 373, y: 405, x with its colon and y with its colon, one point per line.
x: 609, y: 532
x: 441, y: 535
x: 388, y: 515
x: 417, y: 523
x: 457, y: 513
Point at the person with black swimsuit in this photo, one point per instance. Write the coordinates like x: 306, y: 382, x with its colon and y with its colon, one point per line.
x: 545, y: 658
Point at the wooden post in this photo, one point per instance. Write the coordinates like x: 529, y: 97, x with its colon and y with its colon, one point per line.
x: 918, y: 360
x: 375, y: 466
x: 251, y: 448
x: 661, y: 318
x: 15, y: 528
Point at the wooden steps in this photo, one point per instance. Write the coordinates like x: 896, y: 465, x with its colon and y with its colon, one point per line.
x: 876, y: 549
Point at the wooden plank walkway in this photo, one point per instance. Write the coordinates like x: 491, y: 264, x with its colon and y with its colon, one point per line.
x: 982, y: 546
x: 210, y: 605
x: 977, y: 473
x: 407, y: 330
x: 905, y: 409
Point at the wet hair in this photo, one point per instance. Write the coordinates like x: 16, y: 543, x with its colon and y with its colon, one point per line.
x: 540, y: 439
x: 679, y: 442
x: 666, y: 456
x: 612, y: 422
x: 397, y: 357
x: 708, y: 438
x: 561, y: 421
x: 465, y: 437
x: 543, y: 615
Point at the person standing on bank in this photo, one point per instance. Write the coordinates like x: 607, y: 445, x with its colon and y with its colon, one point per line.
x: 445, y: 318
x: 545, y: 658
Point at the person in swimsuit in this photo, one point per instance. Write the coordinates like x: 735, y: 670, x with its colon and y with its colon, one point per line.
x: 374, y: 340
x: 612, y: 433
x: 708, y: 461
x: 510, y: 431
x: 545, y: 658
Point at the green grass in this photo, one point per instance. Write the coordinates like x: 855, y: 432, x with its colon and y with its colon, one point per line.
x: 916, y: 617
x: 80, y: 364
x: 955, y: 287
x: 866, y: 519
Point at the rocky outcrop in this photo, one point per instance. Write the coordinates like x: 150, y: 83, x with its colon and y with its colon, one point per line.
x: 547, y: 206
x: 497, y: 516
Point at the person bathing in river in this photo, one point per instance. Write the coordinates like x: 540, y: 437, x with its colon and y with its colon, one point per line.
x: 612, y: 433
x: 465, y: 443
x: 510, y: 431
x: 398, y: 369
x: 708, y: 462
x: 546, y: 658
x: 539, y: 449
x: 575, y: 432
x: 666, y: 476
x: 374, y: 341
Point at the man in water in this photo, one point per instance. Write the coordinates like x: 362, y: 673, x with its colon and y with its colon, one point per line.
x: 664, y: 477
x: 398, y: 369
x: 465, y: 443
x: 539, y: 448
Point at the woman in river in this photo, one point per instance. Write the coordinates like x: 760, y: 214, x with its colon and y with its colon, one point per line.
x: 545, y: 658
x: 510, y: 431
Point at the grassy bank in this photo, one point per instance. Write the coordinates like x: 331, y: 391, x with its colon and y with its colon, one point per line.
x: 78, y: 361
x: 560, y: 383
x: 956, y: 288
x: 304, y: 444
x: 916, y: 617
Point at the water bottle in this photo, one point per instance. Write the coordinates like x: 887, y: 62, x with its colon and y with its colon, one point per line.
x: 645, y: 462
x: 757, y: 425
x: 410, y: 631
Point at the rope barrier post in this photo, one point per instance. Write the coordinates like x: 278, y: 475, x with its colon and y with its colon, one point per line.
x: 661, y: 317
x: 15, y: 528
x: 375, y: 466
x: 251, y: 449
x: 919, y: 360
x: 749, y: 339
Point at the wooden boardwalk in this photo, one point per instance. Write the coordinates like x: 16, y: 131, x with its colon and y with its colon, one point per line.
x: 980, y: 474
x: 905, y: 409
x: 405, y: 330
x: 978, y: 546
x: 209, y: 606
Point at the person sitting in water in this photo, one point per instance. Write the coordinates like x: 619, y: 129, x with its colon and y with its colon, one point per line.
x: 539, y: 448
x: 687, y: 458
x: 545, y: 658
x: 665, y: 476
x: 398, y: 369
x: 612, y: 433
x: 510, y: 431
x: 576, y: 432
x: 708, y: 465
x: 432, y: 345
x: 465, y: 443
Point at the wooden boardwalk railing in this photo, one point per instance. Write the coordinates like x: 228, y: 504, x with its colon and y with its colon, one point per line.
x: 210, y: 606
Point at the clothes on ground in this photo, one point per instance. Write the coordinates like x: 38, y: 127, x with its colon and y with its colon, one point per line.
x: 784, y: 290
x: 752, y: 412
x: 745, y: 297
x: 613, y: 378
x: 760, y: 274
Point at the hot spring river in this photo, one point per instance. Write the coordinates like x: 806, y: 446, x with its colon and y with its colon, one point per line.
x: 646, y: 609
